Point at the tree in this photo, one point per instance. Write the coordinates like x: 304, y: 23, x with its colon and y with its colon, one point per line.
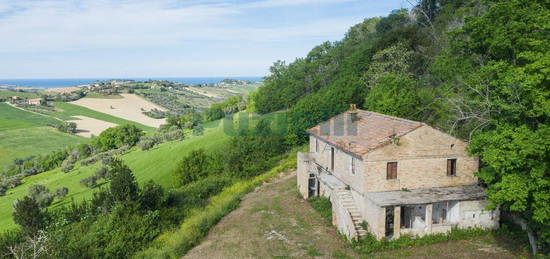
x: 27, y: 214
x: 193, y: 167
x: 123, y: 187
x: 117, y: 137
x: 151, y: 196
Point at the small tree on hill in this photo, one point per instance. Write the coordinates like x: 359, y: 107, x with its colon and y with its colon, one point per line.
x: 28, y: 215
x: 123, y: 183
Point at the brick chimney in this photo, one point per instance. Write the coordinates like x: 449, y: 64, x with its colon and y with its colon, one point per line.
x: 353, y: 112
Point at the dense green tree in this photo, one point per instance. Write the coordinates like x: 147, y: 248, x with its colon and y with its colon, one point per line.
x: 194, y: 166
x: 28, y: 215
x: 118, y: 136
x: 123, y: 185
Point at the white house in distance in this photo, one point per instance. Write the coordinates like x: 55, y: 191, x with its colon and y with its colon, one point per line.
x: 397, y: 175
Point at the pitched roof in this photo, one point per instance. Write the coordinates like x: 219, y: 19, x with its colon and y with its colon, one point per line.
x: 367, y: 132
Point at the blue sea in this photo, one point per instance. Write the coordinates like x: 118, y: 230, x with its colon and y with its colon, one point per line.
x: 51, y: 82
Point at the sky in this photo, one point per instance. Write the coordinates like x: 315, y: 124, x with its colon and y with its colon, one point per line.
x: 169, y: 38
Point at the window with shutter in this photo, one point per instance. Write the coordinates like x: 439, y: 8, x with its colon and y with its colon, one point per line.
x: 451, y: 167
x: 391, y: 170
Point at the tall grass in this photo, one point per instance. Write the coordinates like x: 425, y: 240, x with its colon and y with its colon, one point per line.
x: 195, y: 227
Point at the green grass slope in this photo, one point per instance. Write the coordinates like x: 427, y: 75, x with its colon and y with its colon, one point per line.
x: 24, y: 142
x: 13, y: 118
x: 156, y: 164
x: 24, y: 134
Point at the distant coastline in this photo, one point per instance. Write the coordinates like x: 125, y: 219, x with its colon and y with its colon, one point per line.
x: 71, y: 82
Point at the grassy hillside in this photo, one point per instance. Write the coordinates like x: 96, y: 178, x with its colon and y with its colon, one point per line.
x: 24, y: 134
x: 13, y: 118
x: 156, y: 164
x: 24, y: 142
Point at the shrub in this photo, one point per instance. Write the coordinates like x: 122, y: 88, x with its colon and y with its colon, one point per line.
x: 27, y: 214
x: 61, y: 192
x: 41, y: 195
x: 151, y: 196
x: 90, y: 182
x: 194, y: 166
x: 173, y: 135
x: 147, y: 143
x: 67, y: 167
x: 102, y: 173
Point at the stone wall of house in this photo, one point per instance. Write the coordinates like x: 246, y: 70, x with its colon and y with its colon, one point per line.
x: 376, y: 219
x: 422, y: 162
x: 342, y: 163
x: 475, y: 214
x: 302, y: 174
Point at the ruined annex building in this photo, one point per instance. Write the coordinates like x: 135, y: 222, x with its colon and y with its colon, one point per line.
x: 397, y: 175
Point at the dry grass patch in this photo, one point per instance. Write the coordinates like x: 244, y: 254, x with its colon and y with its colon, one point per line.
x: 129, y: 107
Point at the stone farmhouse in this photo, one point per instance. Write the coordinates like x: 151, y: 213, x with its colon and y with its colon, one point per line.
x: 397, y: 175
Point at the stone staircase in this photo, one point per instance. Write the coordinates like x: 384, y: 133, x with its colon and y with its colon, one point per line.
x: 348, y: 203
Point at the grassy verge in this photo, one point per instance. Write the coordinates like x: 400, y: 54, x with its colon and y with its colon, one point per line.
x: 323, y: 206
x: 194, y: 228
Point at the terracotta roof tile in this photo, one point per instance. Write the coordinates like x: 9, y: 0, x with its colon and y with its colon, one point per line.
x: 369, y: 131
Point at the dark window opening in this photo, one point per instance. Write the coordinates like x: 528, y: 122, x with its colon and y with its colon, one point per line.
x: 451, y: 167
x: 391, y: 170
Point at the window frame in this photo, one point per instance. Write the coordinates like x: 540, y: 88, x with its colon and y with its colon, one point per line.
x: 391, y: 174
x: 451, y: 167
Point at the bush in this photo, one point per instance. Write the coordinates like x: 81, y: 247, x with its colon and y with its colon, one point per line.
x: 151, y: 196
x: 147, y: 143
x: 41, y: 195
x: 102, y: 173
x: 194, y: 166
x: 61, y: 192
x: 67, y: 167
x: 173, y: 135
x: 27, y: 214
x: 90, y: 182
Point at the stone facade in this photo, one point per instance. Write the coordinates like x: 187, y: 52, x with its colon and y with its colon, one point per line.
x: 422, y: 155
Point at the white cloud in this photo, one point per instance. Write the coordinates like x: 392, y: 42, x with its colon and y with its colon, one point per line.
x: 68, y: 25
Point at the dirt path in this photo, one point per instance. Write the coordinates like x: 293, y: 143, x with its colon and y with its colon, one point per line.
x: 273, y: 221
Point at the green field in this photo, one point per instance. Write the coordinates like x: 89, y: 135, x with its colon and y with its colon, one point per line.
x: 156, y: 164
x: 66, y: 111
x: 24, y: 134
x: 24, y: 142
x: 13, y: 118
x: 9, y: 93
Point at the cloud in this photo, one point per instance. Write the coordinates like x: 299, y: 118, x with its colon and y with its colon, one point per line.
x: 68, y: 25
